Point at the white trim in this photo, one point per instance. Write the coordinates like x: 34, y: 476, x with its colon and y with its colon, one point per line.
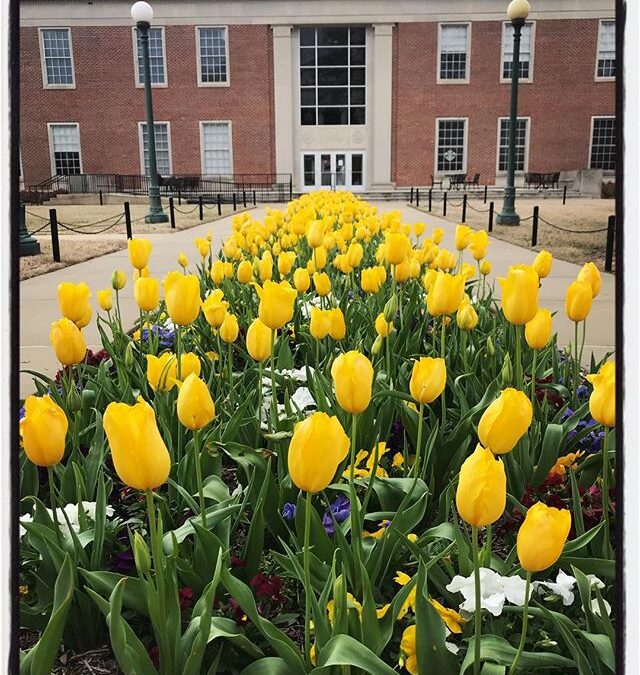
x: 465, y: 146
x: 154, y: 85
x: 606, y: 172
x: 45, y: 84
x: 201, y: 124
x: 52, y: 160
x: 521, y: 80
x: 143, y: 171
x: 227, y: 82
x: 527, y: 142
x: 595, y: 76
x: 467, y: 77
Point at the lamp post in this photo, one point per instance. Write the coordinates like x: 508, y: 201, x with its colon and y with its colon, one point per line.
x: 28, y: 243
x: 517, y: 11
x: 142, y: 14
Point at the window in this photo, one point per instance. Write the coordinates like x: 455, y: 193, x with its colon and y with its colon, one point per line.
x: 57, y: 58
x: 525, y: 71
x: 522, y: 142
x: 213, y: 56
x: 156, y: 57
x: 451, y: 146
x: 215, y: 143
x: 606, y: 66
x: 603, y: 144
x: 64, y: 144
x: 332, y: 75
x: 309, y: 170
x: 452, y: 53
x: 163, y: 148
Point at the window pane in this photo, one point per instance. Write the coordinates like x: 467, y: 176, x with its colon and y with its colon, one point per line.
x: 309, y: 169
x: 213, y: 54
x: 333, y: 76
x: 357, y: 35
x: 216, y: 148
x: 525, y: 51
x: 521, y: 144
x: 308, y: 57
x: 65, y: 139
x: 333, y: 116
x: 357, y: 75
x: 607, y: 49
x: 307, y: 36
x: 307, y: 76
x: 161, y: 135
x: 453, y: 52
x: 356, y: 169
x: 332, y: 56
x: 333, y: 96
x: 308, y: 96
x: 451, y: 145
x: 332, y: 36
x: 356, y: 116
x: 57, y: 56
x: 307, y: 116
x: 156, y: 56
x: 357, y: 56
x: 325, y: 169
x: 603, y: 144
x: 357, y: 95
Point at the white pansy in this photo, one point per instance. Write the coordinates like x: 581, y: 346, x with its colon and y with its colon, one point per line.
x: 595, y: 582
x: 305, y: 308
x: 595, y: 606
x: 71, y: 512
x: 495, y: 591
x: 563, y: 586
x: 303, y: 399
x: 453, y: 648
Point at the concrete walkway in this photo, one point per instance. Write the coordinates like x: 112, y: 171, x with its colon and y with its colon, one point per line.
x: 39, y: 303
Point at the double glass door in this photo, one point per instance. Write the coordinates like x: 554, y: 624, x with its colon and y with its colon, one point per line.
x: 333, y: 171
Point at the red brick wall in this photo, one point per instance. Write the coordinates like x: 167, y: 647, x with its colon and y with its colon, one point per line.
x: 561, y: 100
x: 108, y: 106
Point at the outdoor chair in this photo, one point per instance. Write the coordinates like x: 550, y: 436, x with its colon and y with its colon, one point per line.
x: 436, y: 182
x: 458, y: 179
x: 474, y: 182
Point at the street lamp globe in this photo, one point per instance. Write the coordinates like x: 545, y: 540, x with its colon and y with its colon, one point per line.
x: 517, y: 9
x: 141, y: 12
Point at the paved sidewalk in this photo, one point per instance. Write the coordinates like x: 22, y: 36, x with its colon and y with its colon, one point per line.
x: 39, y: 304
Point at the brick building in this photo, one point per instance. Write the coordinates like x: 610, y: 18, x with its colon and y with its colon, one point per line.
x: 366, y: 94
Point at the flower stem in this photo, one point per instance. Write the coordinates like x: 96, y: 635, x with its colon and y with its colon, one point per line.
x: 178, y: 353
x: 274, y: 403
x: 54, y: 503
x: 230, y: 349
x: 533, y: 380
x: 156, y: 552
x: 356, y: 525
x: 259, y: 402
x: 525, y: 620
x: 605, y: 490
x: 576, y: 365
x: 416, y: 464
x: 307, y: 581
x: 442, y: 352
x: 519, y: 382
x: 196, y: 452
x: 478, y: 597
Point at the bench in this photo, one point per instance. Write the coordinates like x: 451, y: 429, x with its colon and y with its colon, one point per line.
x: 542, y: 180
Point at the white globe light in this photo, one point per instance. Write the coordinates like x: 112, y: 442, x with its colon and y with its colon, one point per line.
x: 142, y: 11
x: 518, y: 9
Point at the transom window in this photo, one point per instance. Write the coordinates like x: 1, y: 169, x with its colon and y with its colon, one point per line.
x: 454, y: 44
x: 65, y: 149
x: 163, y: 147
x: 332, y: 75
x: 216, y: 148
x: 212, y: 55
x: 526, y: 49
x: 603, y: 144
x: 156, y: 56
x: 607, y: 49
x: 451, y: 146
x: 56, y: 55
x: 522, y: 131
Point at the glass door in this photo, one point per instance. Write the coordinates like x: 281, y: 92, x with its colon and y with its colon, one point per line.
x: 333, y: 171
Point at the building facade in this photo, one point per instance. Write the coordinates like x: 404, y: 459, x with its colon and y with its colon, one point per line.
x: 361, y: 94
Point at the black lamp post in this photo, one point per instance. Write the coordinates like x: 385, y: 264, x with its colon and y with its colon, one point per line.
x: 518, y: 11
x: 28, y: 243
x: 142, y: 14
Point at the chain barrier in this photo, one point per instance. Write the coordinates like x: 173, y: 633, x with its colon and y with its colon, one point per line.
x: 35, y: 215
x: 564, y: 229
x: 32, y: 232
x: 186, y: 213
x: 473, y: 208
x: 81, y: 229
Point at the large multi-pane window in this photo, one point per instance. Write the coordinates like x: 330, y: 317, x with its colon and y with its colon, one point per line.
x: 606, y: 49
x: 525, y: 72
x: 163, y: 147
x: 57, y: 60
x: 332, y: 75
x: 156, y: 57
x: 212, y: 48
x: 215, y: 139
x: 65, y: 149
x: 522, y: 132
x: 603, y: 144
x: 453, y: 58
x: 452, y: 142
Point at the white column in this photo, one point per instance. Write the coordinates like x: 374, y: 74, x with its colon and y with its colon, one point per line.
x: 381, y: 104
x: 283, y: 77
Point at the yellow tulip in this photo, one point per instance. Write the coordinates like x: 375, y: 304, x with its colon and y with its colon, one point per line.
x: 602, y: 402
x: 258, y: 340
x: 84, y: 321
x: 338, y: 327
x: 485, y: 268
x: 383, y: 327
x: 370, y: 280
x: 445, y: 294
x: 44, y: 430
x: 229, y: 329
x: 428, y: 279
x: 478, y: 244
x: 317, y: 447
x: 276, y: 303
x: 542, y: 264
x: 73, y: 300
x: 195, y: 405
x: 352, y: 375
x: 355, y: 254
x: 428, y: 379
x: 203, y: 245
x: 217, y: 272
x: 402, y: 271
x: 320, y: 323
x: 140, y: 456
x: 542, y: 536
x: 482, y: 488
x: 105, y: 299
x: 409, y: 651
x: 214, y: 308
x: 418, y: 229
x: 183, y: 261
x: 520, y: 294
x: 265, y: 268
x: 189, y: 363
x: 68, y: 342
x: 538, y: 331
x: 182, y: 297
x: 315, y: 233
x: 437, y: 235
x: 322, y: 283
x: 139, y: 251
x: 591, y: 274
x: 147, y: 293
x: 301, y: 280
x: 466, y: 317
x: 445, y: 260
x: 319, y: 258
x: 397, y: 247
x: 161, y: 371
x: 285, y: 262
x: 245, y: 272
x: 578, y: 300
x: 118, y: 280
x: 468, y: 271
x: 505, y: 421
x: 463, y: 236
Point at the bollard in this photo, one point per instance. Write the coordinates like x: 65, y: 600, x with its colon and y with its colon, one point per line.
x: 464, y: 208
x: 100, y: 197
x: 254, y: 197
x: 172, y: 215
x: 430, y: 198
x: 411, y: 196
x: 55, y: 242
x: 290, y: 187
x: 234, y: 201
x: 444, y: 204
x: 564, y: 195
x: 534, y: 229
x: 485, y: 195
x: 244, y: 198
x: 611, y: 231
x: 219, y: 200
x: 127, y: 220
x: 200, y: 207
x: 490, y: 228
x: 179, y: 198
x: 417, y: 197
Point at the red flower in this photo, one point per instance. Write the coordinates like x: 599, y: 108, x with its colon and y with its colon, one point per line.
x: 154, y: 655
x: 185, y: 595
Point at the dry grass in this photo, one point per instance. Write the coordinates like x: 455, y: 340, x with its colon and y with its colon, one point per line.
x: 583, y: 215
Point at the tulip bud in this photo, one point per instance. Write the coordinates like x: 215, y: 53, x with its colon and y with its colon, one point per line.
x: 542, y: 536
x: 128, y: 355
x: 505, y: 421
x: 391, y: 309
x: 74, y: 400
x: 352, y: 375
x: 482, y: 488
x: 507, y: 370
x: 491, y: 350
x: 118, y: 280
x: 43, y: 429
x: 377, y: 345
x: 141, y: 555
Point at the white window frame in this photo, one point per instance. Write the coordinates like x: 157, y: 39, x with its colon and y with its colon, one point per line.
x: 43, y: 64
x: 227, y: 82
x: 605, y: 172
x: 527, y: 143
x: 595, y: 76
x: 143, y: 171
x: 523, y: 80
x: 52, y: 159
x: 139, y: 84
x: 465, y: 146
x: 467, y: 77
x: 229, y: 124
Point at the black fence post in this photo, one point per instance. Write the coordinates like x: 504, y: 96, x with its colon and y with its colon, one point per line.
x: 490, y: 228
x: 430, y: 198
x: 485, y: 195
x: 179, y: 198
x: 534, y: 229
x: 611, y: 230
x: 290, y: 188
x: 127, y: 220
x: 417, y: 196
x: 411, y: 196
x: 444, y: 204
x: 234, y: 201
x: 464, y: 207
x: 100, y: 197
x: 254, y: 197
x: 244, y: 198
x: 55, y: 242
x: 219, y: 199
x: 172, y: 214
x: 200, y: 207
x: 564, y: 195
